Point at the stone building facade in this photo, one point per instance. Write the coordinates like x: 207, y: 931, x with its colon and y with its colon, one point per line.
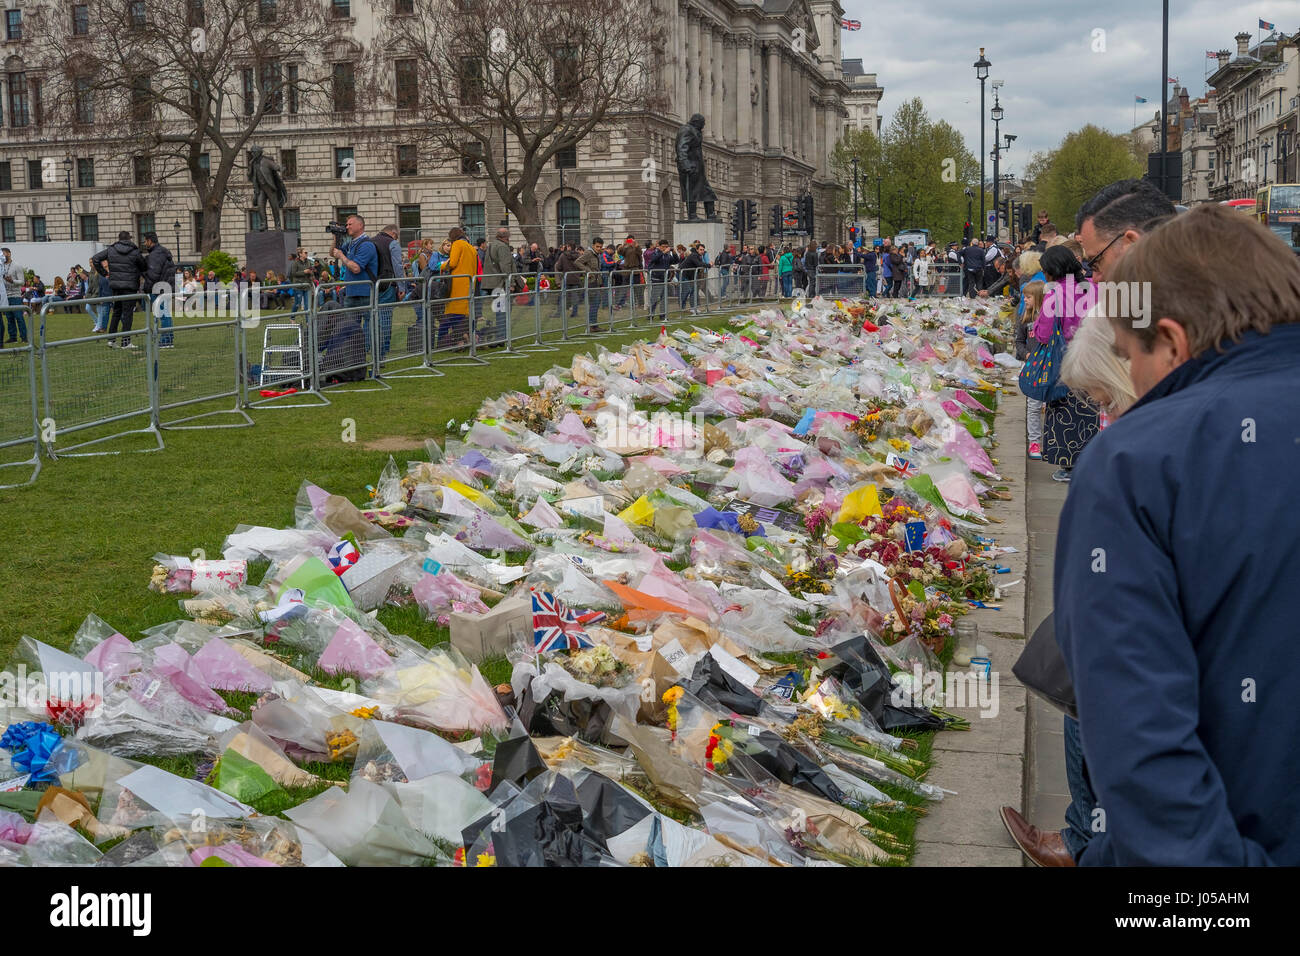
x: 766, y: 74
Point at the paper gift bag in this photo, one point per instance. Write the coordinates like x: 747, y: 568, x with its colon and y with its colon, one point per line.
x: 485, y: 635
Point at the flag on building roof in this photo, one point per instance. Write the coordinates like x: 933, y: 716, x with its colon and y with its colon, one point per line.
x: 1211, y: 55
x: 1139, y: 99
x: 1265, y: 25
x: 848, y: 24
x: 1173, y: 79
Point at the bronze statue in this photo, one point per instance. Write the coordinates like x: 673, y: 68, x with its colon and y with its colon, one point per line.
x: 268, y: 186
x: 690, y: 168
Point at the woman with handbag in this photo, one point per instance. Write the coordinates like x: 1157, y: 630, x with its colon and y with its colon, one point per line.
x: 1069, y: 420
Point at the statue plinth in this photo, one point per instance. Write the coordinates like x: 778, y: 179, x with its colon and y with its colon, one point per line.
x: 265, y: 251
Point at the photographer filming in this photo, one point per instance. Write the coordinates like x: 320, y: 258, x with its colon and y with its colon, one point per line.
x: 357, y: 256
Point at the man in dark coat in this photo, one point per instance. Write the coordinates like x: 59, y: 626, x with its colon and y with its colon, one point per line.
x: 159, y: 279
x: 125, y: 268
x: 1175, y: 575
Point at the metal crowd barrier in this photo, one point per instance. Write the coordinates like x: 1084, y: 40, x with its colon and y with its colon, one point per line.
x: 279, y: 353
x: 347, y: 336
x: 83, y: 377
x: 840, y: 279
x: 945, y: 279
x: 403, y: 349
x: 19, y: 410
x: 200, y: 362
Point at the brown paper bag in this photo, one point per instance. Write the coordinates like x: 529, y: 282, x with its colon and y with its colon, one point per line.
x: 478, y: 636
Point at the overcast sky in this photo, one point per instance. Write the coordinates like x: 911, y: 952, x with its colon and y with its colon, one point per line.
x: 1054, y: 82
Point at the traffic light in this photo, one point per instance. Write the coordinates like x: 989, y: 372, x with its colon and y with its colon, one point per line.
x: 1026, y: 218
x: 1004, y: 211
x: 967, y: 231
x: 737, y: 218
x: 853, y: 236
x: 751, y: 216
x: 804, y: 204
x: 778, y: 219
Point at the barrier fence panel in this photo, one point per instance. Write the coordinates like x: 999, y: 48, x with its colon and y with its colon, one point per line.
x: 199, y: 362
x: 404, y: 333
x: 279, y: 360
x: 494, y: 305
x: 345, y: 338
x: 842, y: 279
x: 945, y: 279
x: 526, y: 316
x: 455, y: 337
x: 100, y: 379
x: 20, y: 424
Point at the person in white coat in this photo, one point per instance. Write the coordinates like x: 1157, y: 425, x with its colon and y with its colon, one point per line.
x: 921, y: 273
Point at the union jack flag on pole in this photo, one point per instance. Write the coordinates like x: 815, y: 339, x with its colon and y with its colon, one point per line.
x: 556, y: 626
x: 848, y: 24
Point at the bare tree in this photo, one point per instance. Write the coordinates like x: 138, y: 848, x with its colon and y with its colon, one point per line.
x: 174, y: 81
x: 468, y: 73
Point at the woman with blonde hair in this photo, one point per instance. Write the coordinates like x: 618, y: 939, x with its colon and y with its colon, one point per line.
x: 1092, y: 368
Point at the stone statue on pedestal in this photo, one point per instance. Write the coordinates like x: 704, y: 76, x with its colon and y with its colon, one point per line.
x: 690, y: 169
x: 268, y: 186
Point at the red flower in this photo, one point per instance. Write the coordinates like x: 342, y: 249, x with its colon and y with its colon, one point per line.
x: 822, y: 655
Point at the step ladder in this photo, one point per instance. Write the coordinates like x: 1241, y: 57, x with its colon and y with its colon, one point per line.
x: 282, y: 356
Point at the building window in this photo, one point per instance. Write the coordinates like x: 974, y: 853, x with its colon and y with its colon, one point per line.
x: 404, y: 8
x: 142, y: 170
x: 84, y: 100
x: 18, y: 113
x: 289, y: 163
x: 566, y: 64
x: 566, y: 158
x: 344, y: 88
x: 1211, y: 161
x: 80, y: 20
x: 341, y: 9
x: 250, y: 93
x: 266, y: 11
x: 85, y: 173
x: 140, y: 98
x: 13, y: 24
x: 38, y: 229
x: 205, y: 164
x: 408, y: 224
x: 567, y: 216
x: 89, y: 228
x: 197, y: 219
x: 273, y: 87
x: 34, y: 174
x: 292, y: 223
x: 6, y: 176
x: 345, y: 165
x: 471, y: 79
x: 34, y: 87
x: 471, y: 158
x: 8, y: 229
x: 144, y: 222
x: 408, y: 91
x: 136, y: 15
x: 341, y: 213
x: 291, y: 86
x: 194, y: 14
x: 408, y: 163
x: 473, y: 218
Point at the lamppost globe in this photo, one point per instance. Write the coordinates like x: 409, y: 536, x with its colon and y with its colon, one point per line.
x: 996, y: 113
x: 982, y: 67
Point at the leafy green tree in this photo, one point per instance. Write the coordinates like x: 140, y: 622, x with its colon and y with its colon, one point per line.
x: 1086, y: 160
x: 924, y: 170
x: 220, y: 262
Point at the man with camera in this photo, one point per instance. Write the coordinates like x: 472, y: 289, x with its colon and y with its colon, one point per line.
x: 358, y: 257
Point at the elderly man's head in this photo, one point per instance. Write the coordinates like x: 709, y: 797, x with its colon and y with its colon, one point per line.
x: 1113, y: 220
x: 503, y: 234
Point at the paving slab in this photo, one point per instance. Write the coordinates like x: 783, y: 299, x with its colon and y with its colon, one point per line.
x: 965, y: 854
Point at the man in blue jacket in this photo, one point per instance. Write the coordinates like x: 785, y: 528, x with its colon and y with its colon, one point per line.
x: 1175, y: 564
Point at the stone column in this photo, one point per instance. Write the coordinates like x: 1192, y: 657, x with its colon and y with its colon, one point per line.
x: 706, y: 79
x: 722, y: 131
x: 731, y: 85
x: 744, y: 91
x: 773, y: 97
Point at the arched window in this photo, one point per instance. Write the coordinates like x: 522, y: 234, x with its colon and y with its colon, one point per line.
x: 568, y: 214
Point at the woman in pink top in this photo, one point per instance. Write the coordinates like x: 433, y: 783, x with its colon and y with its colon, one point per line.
x: 1071, y: 422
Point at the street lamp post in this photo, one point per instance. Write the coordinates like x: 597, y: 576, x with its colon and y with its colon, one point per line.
x: 1266, y: 146
x: 855, y: 190
x: 177, y: 226
x: 997, y: 115
x: 880, y: 233
x: 970, y: 198
x: 982, y: 73
x: 67, y: 170
x: 998, y: 149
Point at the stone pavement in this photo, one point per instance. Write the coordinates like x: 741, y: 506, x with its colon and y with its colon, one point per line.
x: 989, y: 765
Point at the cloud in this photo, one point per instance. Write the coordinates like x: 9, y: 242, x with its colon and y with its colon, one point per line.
x: 1055, y: 81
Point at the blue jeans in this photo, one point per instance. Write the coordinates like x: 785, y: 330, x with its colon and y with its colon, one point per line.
x: 659, y: 298
x: 17, y: 323
x: 299, y: 300
x: 870, y: 287
x: 686, y: 294
x: 386, y: 320
x: 1078, y: 815
x: 787, y: 284
x: 164, y: 319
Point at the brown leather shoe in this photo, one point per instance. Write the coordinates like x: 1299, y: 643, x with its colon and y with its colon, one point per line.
x: 1043, y: 848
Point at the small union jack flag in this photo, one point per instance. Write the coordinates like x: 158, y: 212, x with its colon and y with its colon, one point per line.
x: 902, y: 465
x: 848, y: 24
x: 556, y: 626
